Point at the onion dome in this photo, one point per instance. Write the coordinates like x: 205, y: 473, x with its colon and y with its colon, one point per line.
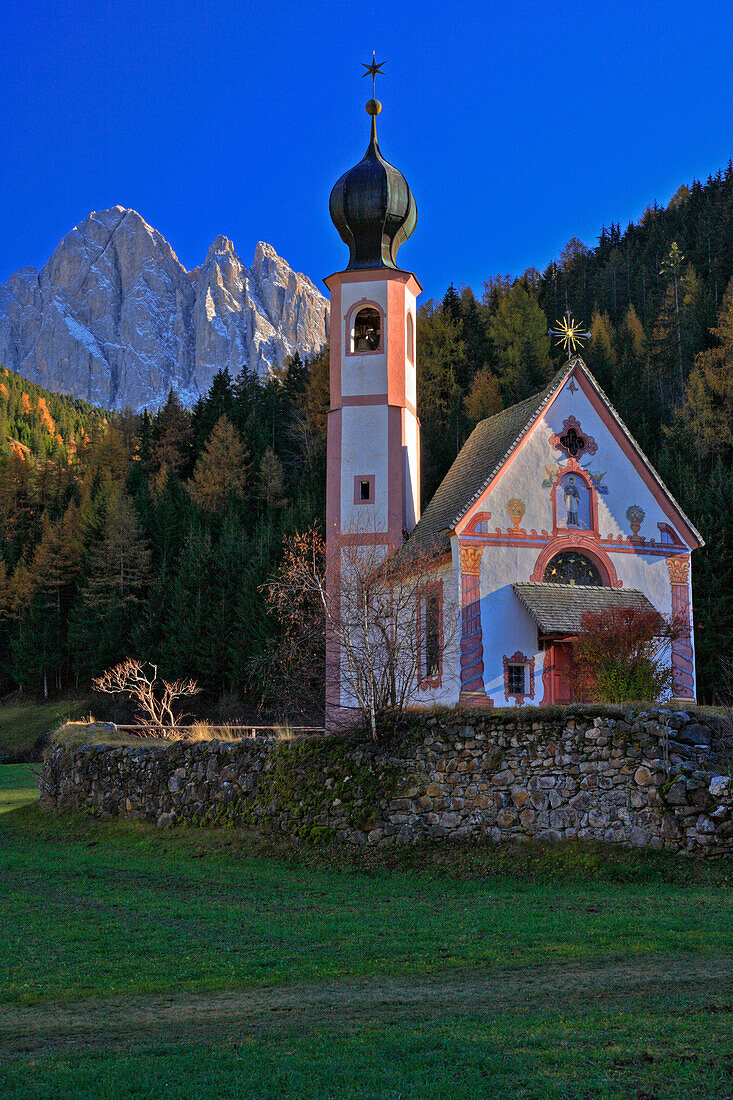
x: 372, y: 207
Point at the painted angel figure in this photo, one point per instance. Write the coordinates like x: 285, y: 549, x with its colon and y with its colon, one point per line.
x: 572, y: 500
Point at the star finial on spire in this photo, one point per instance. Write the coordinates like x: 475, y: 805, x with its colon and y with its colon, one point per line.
x: 569, y: 333
x: 373, y: 70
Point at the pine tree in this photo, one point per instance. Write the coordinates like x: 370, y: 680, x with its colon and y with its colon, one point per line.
x: 40, y: 653
x: 484, y: 397
x: 172, y: 432
x: 518, y: 332
x: 600, y: 354
x: 270, y: 481
x: 708, y: 408
x: 221, y: 471
x: 117, y: 579
x: 441, y: 354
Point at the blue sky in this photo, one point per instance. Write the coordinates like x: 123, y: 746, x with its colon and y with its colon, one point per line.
x: 517, y: 125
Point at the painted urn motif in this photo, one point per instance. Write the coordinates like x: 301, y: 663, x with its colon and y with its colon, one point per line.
x: 516, y: 509
x: 635, y: 515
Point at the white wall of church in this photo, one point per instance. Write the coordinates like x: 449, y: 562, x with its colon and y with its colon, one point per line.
x: 447, y: 693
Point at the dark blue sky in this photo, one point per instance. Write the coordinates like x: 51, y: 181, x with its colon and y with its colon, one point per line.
x: 517, y: 125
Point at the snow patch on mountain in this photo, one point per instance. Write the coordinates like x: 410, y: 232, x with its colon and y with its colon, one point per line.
x: 116, y: 319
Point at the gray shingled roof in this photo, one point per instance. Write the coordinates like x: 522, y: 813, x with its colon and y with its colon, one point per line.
x: 478, y: 461
x: 558, y: 608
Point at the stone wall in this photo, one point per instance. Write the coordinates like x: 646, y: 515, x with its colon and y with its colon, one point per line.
x: 647, y: 778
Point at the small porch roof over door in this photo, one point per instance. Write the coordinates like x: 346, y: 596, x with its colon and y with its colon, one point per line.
x: 559, y: 608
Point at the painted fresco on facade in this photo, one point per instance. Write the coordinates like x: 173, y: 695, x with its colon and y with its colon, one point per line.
x: 635, y: 515
x: 576, y: 502
x: 553, y: 471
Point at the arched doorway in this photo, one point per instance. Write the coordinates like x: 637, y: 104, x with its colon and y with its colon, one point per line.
x: 567, y: 567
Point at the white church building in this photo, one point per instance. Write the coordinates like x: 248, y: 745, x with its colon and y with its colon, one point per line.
x: 549, y: 510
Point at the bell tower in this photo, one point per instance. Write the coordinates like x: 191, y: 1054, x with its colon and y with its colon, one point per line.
x: 373, y: 464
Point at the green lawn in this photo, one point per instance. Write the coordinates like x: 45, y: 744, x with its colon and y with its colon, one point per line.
x: 145, y: 963
x: 21, y: 724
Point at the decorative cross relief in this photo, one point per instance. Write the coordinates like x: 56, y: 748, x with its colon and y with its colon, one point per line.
x: 572, y: 440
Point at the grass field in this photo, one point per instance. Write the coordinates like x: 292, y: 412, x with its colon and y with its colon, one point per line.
x: 138, y: 963
x: 22, y: 723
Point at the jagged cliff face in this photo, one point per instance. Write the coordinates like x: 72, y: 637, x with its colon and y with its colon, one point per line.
x: 114, y: 318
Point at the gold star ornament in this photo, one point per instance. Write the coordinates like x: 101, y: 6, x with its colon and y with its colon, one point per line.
x: 569, y: 333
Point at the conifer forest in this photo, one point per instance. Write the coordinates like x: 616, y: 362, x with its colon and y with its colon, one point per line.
x: 153, y: 535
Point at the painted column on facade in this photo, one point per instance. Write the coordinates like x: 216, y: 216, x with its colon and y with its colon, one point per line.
x: 473, y: 691
x: 683, y: 669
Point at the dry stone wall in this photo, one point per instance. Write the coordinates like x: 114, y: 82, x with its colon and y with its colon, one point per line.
x: 648, y: 778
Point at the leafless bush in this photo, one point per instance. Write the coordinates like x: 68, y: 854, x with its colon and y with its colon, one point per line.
x: 139, y: 681
x: 366, y: 605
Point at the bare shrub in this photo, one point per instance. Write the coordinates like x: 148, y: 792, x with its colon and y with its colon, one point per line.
x: 364, y: 603
x: 155, y: 697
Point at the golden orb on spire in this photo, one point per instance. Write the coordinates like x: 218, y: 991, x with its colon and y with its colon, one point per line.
x: 373, y: 107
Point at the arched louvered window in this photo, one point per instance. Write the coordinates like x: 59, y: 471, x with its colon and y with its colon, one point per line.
x: 366, y: 331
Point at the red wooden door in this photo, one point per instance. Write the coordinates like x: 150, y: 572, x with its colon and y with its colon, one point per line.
x: 562, y: 681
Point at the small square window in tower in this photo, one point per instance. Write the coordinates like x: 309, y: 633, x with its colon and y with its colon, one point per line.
x: 364, y: 489
x: 366, y: 334
x: 516, y: 680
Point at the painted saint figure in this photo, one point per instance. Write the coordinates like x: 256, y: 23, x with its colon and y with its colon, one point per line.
x: 572, y: 500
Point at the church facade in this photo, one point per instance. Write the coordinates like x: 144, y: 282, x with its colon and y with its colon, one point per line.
x: 549, y: 510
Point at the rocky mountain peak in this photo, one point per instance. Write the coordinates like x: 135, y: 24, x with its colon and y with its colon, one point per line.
x: 218, y: 245
x: 114, y: 318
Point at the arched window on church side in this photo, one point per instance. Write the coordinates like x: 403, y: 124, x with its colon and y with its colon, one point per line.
x: 410, y: 338
x: 366, y: 332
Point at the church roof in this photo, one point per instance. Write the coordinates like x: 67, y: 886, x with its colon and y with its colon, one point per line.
x: 477, y: 463
x: 484, y: 453
x: 559, y: 608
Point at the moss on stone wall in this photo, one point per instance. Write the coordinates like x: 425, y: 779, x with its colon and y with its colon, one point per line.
x: 326, y: 783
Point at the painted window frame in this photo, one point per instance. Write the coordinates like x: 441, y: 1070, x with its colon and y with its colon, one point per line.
x: 519, y: 658
x: 424, y: 592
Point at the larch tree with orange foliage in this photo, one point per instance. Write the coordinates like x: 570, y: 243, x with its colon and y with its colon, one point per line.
x: 221, y: 471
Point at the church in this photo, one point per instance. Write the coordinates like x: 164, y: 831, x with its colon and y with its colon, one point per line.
x: 549, y: 510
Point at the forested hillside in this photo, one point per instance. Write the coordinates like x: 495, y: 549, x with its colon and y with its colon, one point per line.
x: 151, y: 535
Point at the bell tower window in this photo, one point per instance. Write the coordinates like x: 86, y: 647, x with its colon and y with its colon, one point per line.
x: 366, y: 332
x: 410, y: 338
